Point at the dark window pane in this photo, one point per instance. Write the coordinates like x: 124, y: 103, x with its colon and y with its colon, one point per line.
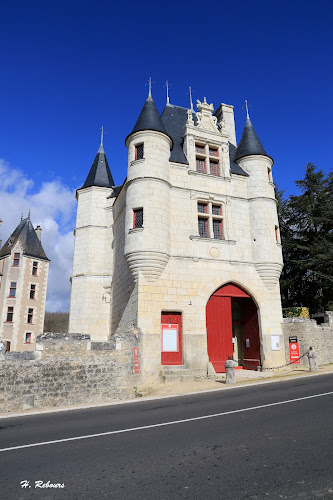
x: 214, y: 168
x: 203, y: 227
x: 139, y: 152
x: 213, y: 152
x: 217, y: 229
x: 202, y: 208
x: 200, y: 164
x: 138, y: 218
x: 216, y: 210
x: 200, y: 149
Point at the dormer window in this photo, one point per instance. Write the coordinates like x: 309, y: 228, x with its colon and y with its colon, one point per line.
x: 139, y: 149
x: 207, y: 159
x: 201, y: 166
x: 16, y: 261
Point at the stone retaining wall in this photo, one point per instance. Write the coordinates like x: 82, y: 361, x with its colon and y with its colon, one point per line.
x: 69, y: 369
x: 308, y: 333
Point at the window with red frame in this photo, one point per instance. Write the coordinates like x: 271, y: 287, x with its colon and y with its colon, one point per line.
x: 12, y: 289
x: 202, y: 208
x: 217, y: 229
x: 30, y: 315
x: 200, y: 166
x: 139, y: 152
x: 10, y: 314
x: 16, y: 261
x: 214, y: 168
x: 137, y: 218
x: 213, y: 152
x: 34, y: 268
x: 216, y: 210
x: 200, y: 149
x: 28, y: 338
x: 277, y: 237
x: 203, y: 227
x: 32, y: 294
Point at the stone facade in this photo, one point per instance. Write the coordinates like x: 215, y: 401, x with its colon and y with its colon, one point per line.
x: 69, y: 370
x: 124, y: 276
x: 309, y: 334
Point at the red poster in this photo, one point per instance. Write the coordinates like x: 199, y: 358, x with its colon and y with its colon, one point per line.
x: 136, y: 360
x: 294, y: 353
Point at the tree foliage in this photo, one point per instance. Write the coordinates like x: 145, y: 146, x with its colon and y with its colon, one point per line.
x: 306, y: 227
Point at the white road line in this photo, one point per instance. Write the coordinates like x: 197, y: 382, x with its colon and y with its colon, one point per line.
x: 163, y: 424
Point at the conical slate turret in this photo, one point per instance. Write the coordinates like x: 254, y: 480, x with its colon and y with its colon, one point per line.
x: 100, y: 173
x: 249, y: 143
x: 149, y: 118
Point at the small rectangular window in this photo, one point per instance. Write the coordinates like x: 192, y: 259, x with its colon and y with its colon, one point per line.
x: 138, y: 218
x: 200, y: 165
x: 30, y: 315
x: 203, y: 227
x: 214, y: 168
x: 10, y: 314
x: 213, y: 152
x: 217, y: 229
x: 16, y: 261
x: 200, y: 149
x: 139, y: 152
x: 12, y: 289
x: 202, y: 208
x: 28, y: 338
x: 34, y: 268
x: 32, y: 291
x: 216, y: 210
x: 269, y: 173
x: 277, y: 237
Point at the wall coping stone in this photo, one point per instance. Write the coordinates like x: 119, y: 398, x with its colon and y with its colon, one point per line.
x: 62, y: 336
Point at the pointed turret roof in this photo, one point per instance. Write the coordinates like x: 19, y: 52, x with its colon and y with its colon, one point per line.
x: 249, y: 143
x: 28, y: 238
x: 149, y: 118
x: 100, y: 173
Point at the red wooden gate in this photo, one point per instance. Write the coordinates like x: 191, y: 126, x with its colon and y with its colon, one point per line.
x: 172, y: 321
x: 219, y: 331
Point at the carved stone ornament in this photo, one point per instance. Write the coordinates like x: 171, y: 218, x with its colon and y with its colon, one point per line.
x: 189, y: 118
x: 205, y: 119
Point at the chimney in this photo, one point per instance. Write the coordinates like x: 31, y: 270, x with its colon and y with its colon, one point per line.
x: 38, y: 231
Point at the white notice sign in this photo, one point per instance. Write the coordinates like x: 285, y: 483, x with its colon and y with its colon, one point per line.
x: 275, y: 342
x: 170, y: 340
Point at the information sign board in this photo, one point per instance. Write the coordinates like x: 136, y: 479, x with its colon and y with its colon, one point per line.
x: 170, y: 338
x: 294, y: 353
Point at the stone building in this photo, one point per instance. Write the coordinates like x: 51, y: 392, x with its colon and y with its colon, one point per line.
x: 187, y: 249
x: 23, y: 283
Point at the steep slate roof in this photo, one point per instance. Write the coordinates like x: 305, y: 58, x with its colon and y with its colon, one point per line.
x: 29, y: 241
x: 174, y: 119
x: 100, y: 173
x: 149, y: 119
x: 249, y: 143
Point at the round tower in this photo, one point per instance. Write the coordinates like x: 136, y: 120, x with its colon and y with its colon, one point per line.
x: 147, y: 223
x: 265, y: 235
x: 92, y: 261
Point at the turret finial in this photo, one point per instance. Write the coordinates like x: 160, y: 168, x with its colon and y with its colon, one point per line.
x: 191, y: 99
x: 247, y: 110
x: 21, y: 216
x: 149, y: 93
x: 167, y: 89
x: 29, y: 214
x: 101, y: 148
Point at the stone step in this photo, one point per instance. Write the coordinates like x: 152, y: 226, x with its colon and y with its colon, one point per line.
x: 176, y: 373
x: 171, y: 379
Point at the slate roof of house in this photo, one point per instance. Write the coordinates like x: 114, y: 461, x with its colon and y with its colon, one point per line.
x: 249, y: 143
x: 100, y: 173
x: 174, y: 119
x: 31, y: 245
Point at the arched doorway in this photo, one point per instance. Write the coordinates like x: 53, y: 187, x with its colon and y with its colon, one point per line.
x: 232, y: 328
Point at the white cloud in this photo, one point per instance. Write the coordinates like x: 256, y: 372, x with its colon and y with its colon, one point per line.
x: 52, y: 207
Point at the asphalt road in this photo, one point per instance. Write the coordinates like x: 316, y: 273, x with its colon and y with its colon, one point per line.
x: 224, y: 447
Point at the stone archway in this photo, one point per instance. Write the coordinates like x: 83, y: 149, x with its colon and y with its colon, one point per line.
x: 232, y: 328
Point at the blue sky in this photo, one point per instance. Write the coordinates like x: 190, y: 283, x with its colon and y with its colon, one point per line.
x: 70, y: 67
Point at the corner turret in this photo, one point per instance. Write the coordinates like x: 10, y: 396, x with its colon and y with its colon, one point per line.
x: 100, y: 173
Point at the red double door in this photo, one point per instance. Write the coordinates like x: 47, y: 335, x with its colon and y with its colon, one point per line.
x: 219, y: 328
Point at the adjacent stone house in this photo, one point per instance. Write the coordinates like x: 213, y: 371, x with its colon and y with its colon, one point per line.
x: 23, y: 283
x: 187, y: 249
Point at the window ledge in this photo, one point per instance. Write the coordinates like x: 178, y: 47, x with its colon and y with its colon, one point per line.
x: 194, y: 237
x: 136, y: 230
x: 134, y: 162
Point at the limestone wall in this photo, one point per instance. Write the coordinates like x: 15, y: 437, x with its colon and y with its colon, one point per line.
x: 69, y: 370
x: 308, y: 333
